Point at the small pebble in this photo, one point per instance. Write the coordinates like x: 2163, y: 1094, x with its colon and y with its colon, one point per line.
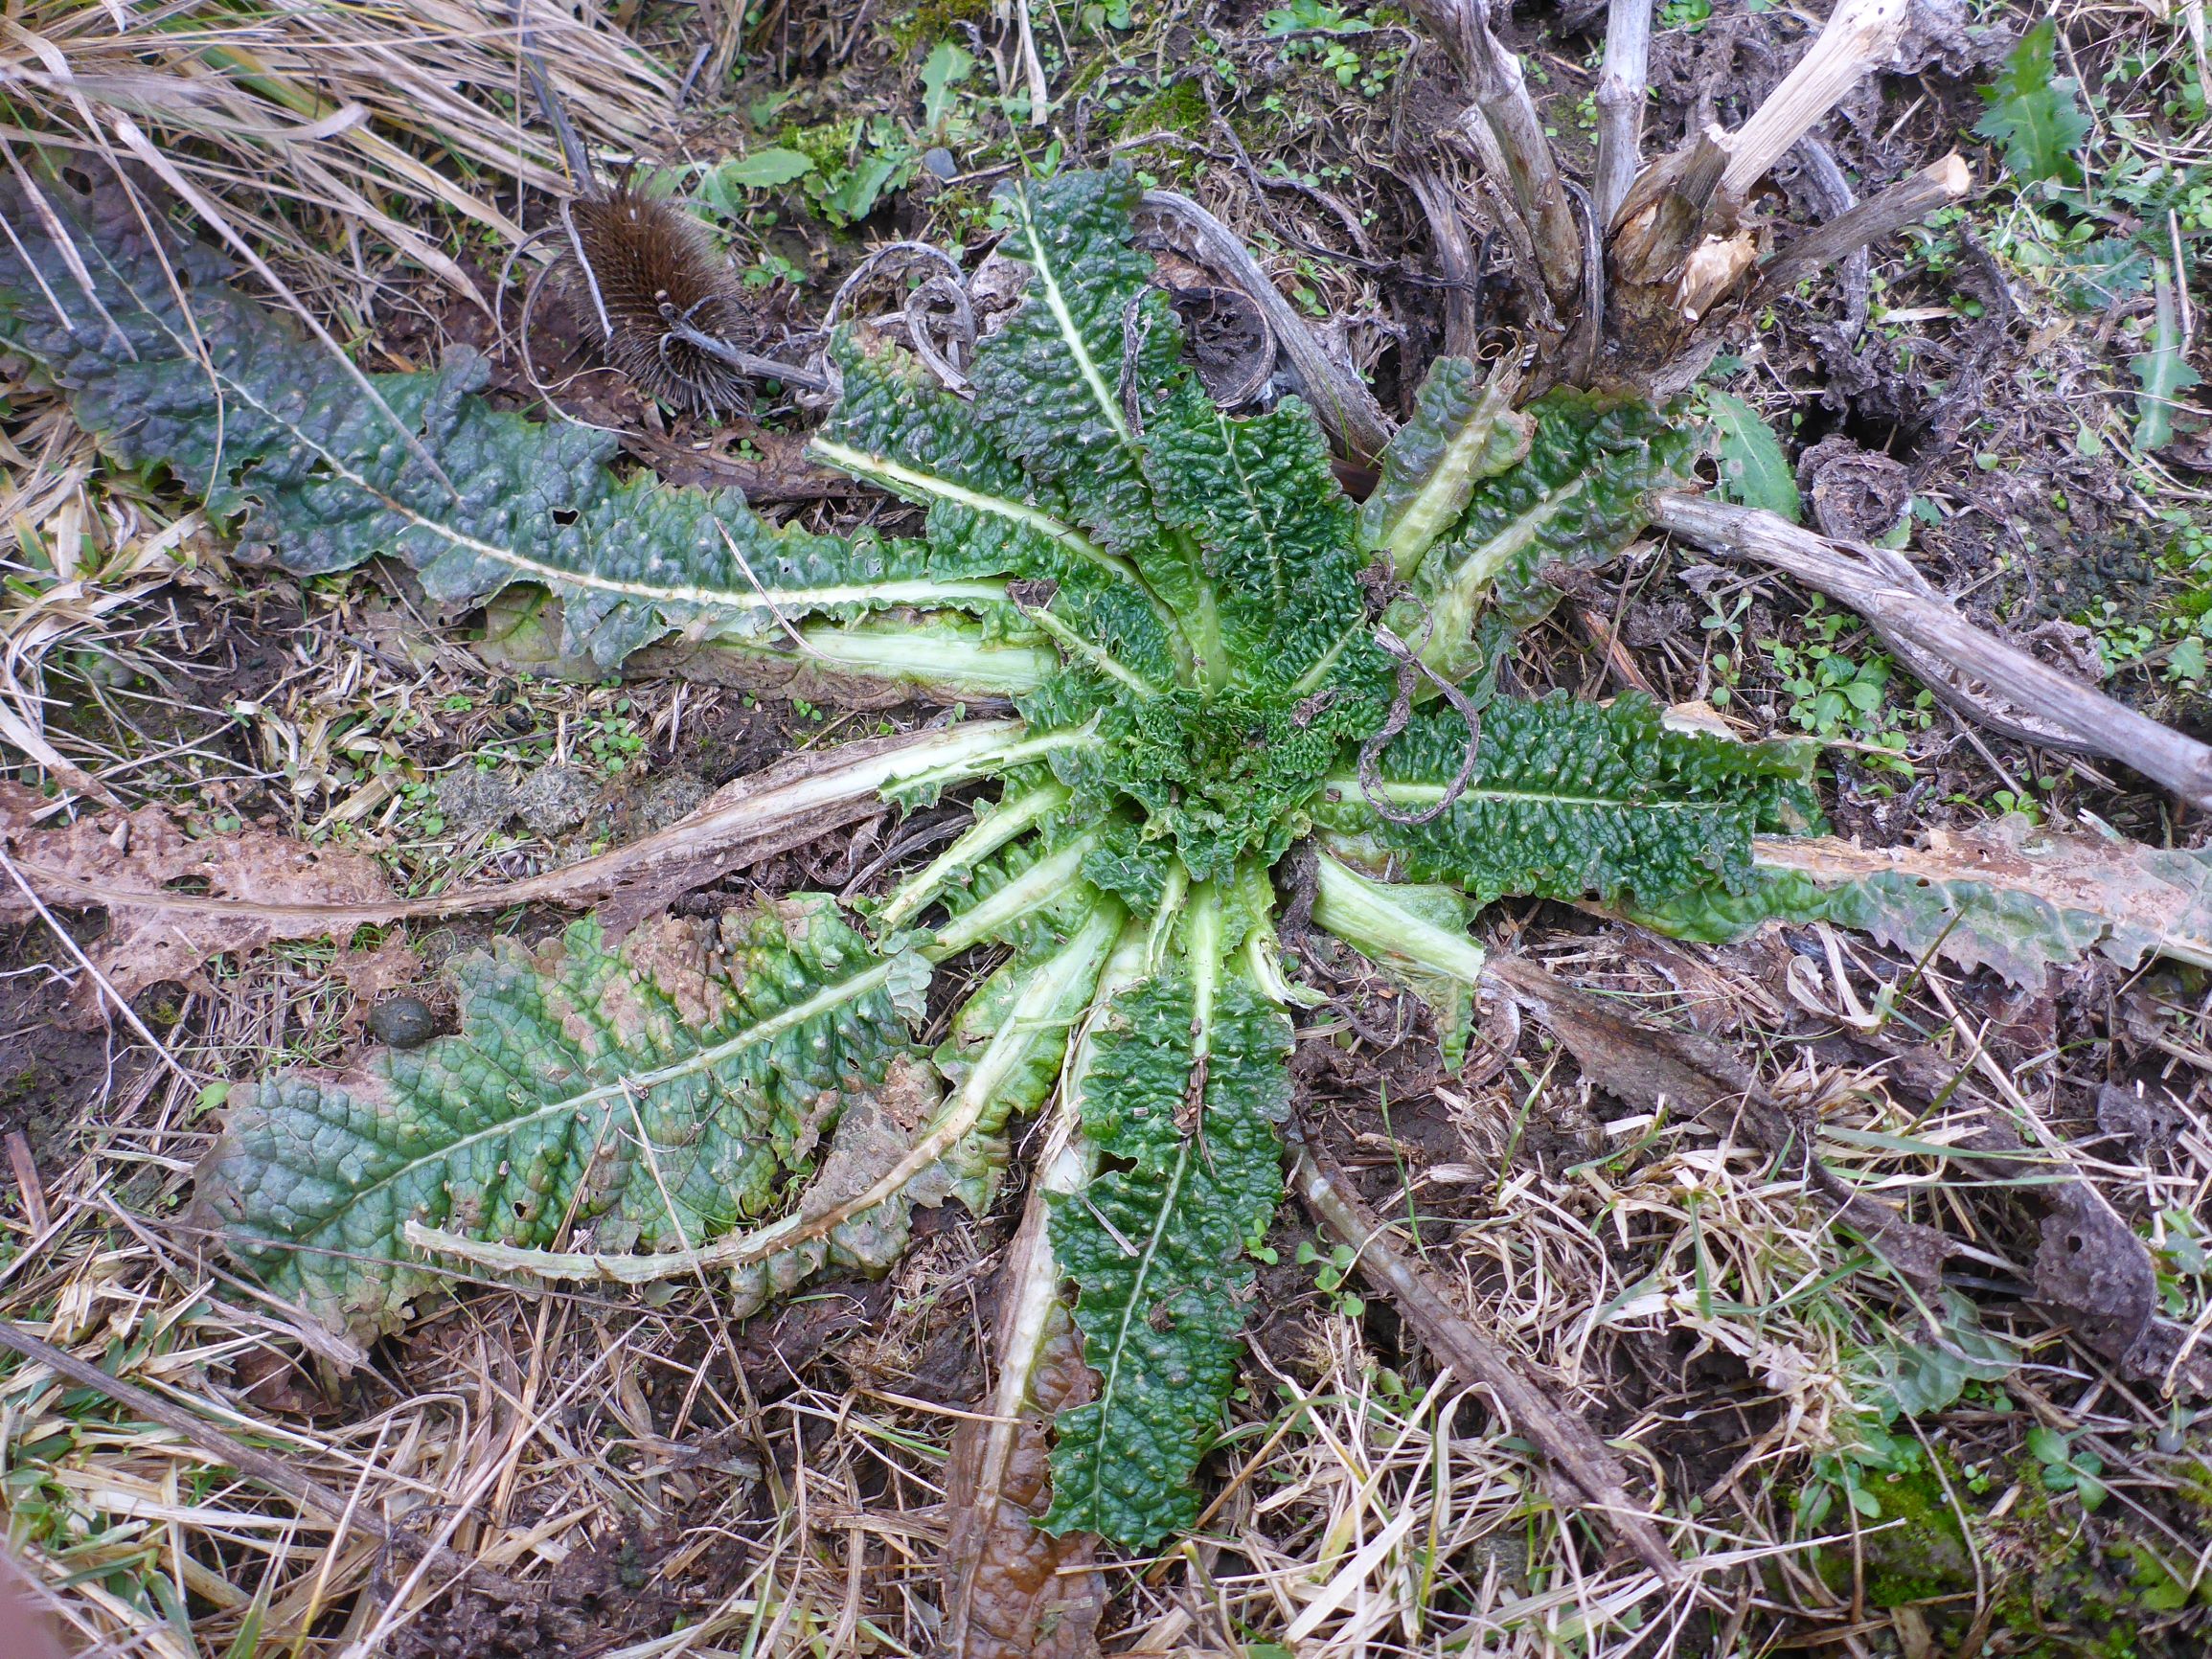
x: 405, y: 1022
x: 940, y: 162
x: 2171, y: 1441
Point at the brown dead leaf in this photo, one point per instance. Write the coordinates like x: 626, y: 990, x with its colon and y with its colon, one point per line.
x: 752, y: 818
x: 1013, y: 1590
x: 146, y: 853
x: 2091, y: 1270
x: 2015, y: 895
x: 1028, y: 1593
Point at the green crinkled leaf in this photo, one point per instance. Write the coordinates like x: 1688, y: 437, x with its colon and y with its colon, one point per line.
x: 1278, y: 574
x: 1054, y: 861
x: 2033, y: 112
x: 524, y: 1127
x: 272, y: 433
x: 1754, y: 470
x: 1572, y: 800
x: 1463, y: 431
x: 1574, y: 500
x: 1156, y: 1247
x: 1010, y: 1037
x: 988, y: 514
x: 1125, y: 863
x: 1049, y: 383
x: 1220, y: 779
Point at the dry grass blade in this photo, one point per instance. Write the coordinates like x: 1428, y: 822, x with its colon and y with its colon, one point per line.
x: 287, y: 115
x: 250, y: 1461
x: 1655, y: 1067
x: 1580, y: 1460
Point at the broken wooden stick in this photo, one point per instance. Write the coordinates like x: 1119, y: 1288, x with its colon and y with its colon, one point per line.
x: 1583, y: 1467
x: 1904, y: 203
x: 1993, y: 683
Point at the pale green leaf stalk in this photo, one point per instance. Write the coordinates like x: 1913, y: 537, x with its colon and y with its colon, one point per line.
x: 1417, y: 934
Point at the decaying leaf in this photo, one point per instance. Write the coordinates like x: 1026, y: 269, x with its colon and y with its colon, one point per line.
x: 2090, y: 1268
x: 1015, y: 1589
x: 752, y: 818
x: 250, y: 885
x: 2011, y: 895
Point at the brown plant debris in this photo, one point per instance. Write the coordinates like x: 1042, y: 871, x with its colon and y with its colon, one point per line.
x: 248, y: 886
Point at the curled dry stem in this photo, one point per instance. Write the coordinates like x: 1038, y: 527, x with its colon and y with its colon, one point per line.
x: 1358, y: 428
x: 1411, y: 670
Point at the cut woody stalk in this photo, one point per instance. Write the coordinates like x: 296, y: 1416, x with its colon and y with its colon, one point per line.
x: 1500, y: 99
x: 1622, y: 80
x: 1859, y: 34
x: 1673, y: 232
x: 1996, y: 684
x: 1907, y: 202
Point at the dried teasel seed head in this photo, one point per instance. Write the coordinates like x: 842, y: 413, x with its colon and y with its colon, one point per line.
x: 654, y: 268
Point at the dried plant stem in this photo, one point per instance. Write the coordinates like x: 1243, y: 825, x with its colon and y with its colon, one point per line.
x: 1454, y: 257
x: 1585, y: 1469
x: 1904, y: 203
x: 1349, y: 413
x: 1623, y: 84
x: 267, y: 1467
x: 1859, y: 34
x: 1995, y: 683
x: 1499, y: 94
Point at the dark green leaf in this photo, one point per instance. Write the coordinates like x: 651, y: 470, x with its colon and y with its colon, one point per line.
x: 1157, y: 1247
x: 1754, y: 470
x: 2033, y: 112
